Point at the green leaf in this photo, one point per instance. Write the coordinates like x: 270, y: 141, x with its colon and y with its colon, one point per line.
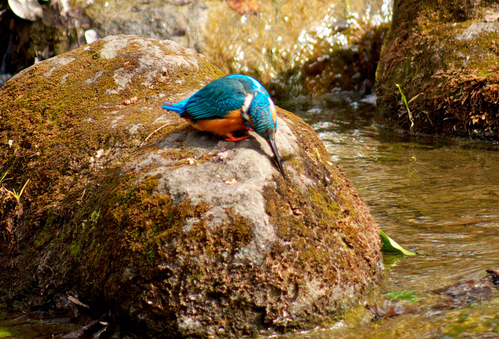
x: 406, y: 105
x: 3, y: 177
x: 403, y: 295
x: 17, y: 195
x: 390, y: 246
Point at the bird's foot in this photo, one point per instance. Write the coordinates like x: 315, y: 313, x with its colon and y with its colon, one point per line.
x: 230, y: 137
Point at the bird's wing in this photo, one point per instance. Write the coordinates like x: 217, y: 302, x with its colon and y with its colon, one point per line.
x: 215, y: 100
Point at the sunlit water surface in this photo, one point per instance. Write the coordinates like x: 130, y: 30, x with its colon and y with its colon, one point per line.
x: 439, y: 198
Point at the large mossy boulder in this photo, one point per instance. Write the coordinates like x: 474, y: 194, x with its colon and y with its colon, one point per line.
x: 188, y: 235
x: 445, y: 57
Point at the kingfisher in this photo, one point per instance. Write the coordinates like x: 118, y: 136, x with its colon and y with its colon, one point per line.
x: 229, y: 104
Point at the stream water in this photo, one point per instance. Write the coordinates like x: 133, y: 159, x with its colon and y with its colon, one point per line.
x: 439, y: 198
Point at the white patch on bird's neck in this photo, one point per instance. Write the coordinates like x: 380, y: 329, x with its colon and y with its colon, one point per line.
x: 246, y: 105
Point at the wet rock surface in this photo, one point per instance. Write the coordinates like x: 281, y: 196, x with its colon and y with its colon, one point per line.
x: 188, y: 235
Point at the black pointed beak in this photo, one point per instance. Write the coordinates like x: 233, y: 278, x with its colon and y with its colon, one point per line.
x: 277, y: 158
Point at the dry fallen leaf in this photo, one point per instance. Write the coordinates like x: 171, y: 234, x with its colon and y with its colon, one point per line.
x: 244, y: 7
x: 131, y: 101
x: 76, y: 301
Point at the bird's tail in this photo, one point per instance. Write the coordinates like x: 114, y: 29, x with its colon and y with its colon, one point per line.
x: 179, y: 107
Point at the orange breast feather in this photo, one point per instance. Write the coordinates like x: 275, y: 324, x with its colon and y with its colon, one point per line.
x: 230, y: 123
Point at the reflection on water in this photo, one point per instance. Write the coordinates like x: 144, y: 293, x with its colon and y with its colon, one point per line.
x: 437, y: 198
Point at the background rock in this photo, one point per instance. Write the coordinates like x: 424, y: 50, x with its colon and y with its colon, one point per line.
x: 294, y: 47
x: 445, y: 57
x: 189, y: 235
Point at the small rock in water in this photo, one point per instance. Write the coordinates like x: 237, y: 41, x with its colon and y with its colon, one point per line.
x: 26, y: 9
x: 91, y: 35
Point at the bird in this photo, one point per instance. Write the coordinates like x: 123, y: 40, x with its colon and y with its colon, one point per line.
x: 233, y: 103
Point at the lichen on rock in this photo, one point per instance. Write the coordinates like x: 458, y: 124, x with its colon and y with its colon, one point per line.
x: 189, y: 235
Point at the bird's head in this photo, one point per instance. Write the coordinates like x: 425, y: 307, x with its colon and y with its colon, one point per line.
x: 261, y: 116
